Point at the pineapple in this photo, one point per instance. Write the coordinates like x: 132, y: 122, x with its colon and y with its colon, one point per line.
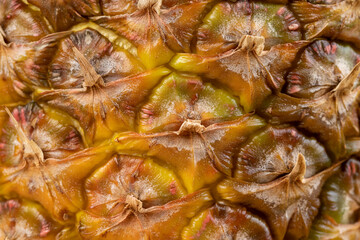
x: 188, y: 119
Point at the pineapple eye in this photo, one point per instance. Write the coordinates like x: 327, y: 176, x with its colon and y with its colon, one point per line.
x: 32, y: 220
x: 62, y: 15
x: 180, y: 97
x: 335, y: 19
x: 263, y: 159
x: 321, y: 68
x: 323, y: 98
x: 221, y: 221
x: 340, y: 211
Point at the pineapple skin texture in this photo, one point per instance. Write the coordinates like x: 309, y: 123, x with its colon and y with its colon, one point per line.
x: 188, y: 119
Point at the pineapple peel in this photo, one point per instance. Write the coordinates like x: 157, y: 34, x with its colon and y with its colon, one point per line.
x: 171, y: 213
x: 333, y: 99
x: 280, y: 147
x: 195, y: 153
x: 340, y: 18
x: 337, y: 218
x: 62, y: 201
x: 136, y: 190
x: 114, y: 103
x: 179, y: 119
x: 180, y: 97
x: 158, y: 36
x: 293, y: 194
x: 251, y: 80
x: 32, y: 151
x: 90, y: 76
x: 220, y: 220
x: 29, y: 216
x: 104, y: 58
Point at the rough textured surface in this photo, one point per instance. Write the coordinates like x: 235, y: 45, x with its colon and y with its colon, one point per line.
x: 188, y: 119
